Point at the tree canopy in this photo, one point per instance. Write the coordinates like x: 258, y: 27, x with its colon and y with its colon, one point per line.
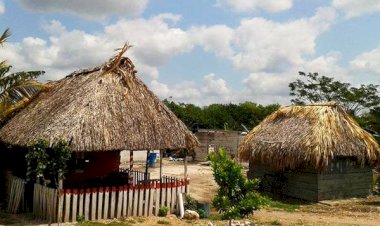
x: 313, y: 88
x: 221, y: 116
x: 16, y: 89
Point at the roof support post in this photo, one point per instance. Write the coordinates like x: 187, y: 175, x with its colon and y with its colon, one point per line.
x: 130, y: 160
x: 146, y: 165
x: 185, y: 166
x: 161, y: 156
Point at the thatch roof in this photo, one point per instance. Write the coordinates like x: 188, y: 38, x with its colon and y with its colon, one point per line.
x: 308, y: 136
x: 100, y: 109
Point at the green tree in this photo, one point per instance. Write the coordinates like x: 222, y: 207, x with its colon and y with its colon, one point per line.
x: 16, y: 89
x: 237, y: 197
x: 313, y: 88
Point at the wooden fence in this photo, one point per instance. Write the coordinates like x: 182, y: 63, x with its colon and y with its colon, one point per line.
x: 135, y: 176
x: 45, y: 202
x: 143, y: 199
x: 16, y: 191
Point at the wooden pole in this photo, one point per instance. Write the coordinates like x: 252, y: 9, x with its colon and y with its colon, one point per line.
x: 131, y: 160
x: 161, y: 157
x: 146, y: 166
x: 185, y: 165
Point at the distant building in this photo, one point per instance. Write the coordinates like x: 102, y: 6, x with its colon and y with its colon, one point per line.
x: 212, y: 140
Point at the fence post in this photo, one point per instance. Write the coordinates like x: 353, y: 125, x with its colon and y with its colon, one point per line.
x: 100, y: 203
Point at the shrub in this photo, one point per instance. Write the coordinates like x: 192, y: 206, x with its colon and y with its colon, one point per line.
x: 163, y: 211
x: 202, y: 213
x: 237, y: 197
x: 190, y: 203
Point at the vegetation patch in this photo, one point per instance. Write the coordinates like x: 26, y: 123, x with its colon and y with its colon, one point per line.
x: 163, y: 222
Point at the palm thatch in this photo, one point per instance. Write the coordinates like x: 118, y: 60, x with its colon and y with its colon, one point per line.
x: 312, y: 136
x: 100, y: 109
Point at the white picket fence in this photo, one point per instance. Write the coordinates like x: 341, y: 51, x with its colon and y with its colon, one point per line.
x: 143, y: 199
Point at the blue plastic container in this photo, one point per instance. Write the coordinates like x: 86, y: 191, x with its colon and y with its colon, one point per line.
x: 152, y: 159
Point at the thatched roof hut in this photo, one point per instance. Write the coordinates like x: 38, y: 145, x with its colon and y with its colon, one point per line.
x: 104, y: 108
x: 312, y: 136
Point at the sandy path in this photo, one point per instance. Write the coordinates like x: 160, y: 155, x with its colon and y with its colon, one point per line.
x: 202, y: 184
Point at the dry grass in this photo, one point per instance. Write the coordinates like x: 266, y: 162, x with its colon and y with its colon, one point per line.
x: 311, y: 135
x: 100, y: 109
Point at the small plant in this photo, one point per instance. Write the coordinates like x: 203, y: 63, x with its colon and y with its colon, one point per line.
x: 80, y: 218
x: 236, y: 197
x: 191, y: 203
x: 163, y: 211
x: 163, y: 222
x: 202, y: 213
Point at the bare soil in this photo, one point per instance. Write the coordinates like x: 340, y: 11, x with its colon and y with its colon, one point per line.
x: 341, y: 212
x: 203, y: 188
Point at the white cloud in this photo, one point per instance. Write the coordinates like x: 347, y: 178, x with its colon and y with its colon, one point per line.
x: 262, y: 84
x: 265, y: 45
x: 215, y: 86
x: 327, y: 65
x: 367, y: 61
x: 2, y: 7
x: 68, y: 50
x: 252, y: 5
x: 215, y: 39
x: 354, y: 8
x: 211, y: 90
x: 90, y: 9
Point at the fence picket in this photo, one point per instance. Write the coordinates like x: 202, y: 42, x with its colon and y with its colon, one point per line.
x: 100, y: 203
x: 81, y: 199
x: 119, y: 201
x: 67, y: 205
x: 87, y: 205
x: 106, y: 202
x: 74, y: 207
x: 93, y: 203
x: 113, y: 202
x: 125, y: 200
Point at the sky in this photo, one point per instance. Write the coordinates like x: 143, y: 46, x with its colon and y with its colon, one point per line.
x: 200, y: 52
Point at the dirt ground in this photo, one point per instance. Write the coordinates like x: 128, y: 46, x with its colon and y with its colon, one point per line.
x: 202, y: 187
x: 343, y: 212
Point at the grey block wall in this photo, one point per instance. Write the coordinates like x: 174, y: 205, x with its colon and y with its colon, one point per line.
x: 343, y: 179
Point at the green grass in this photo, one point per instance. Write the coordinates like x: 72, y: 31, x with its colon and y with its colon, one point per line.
x: 282, y: 202
x: 163, y: 222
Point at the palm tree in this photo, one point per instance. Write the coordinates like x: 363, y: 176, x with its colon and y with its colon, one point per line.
x: 16, y: 89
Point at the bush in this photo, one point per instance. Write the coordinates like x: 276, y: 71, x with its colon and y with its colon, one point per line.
x: 163, y: 211
x: 190, y: 203
x: 202, y: 213
x: 236, y: 197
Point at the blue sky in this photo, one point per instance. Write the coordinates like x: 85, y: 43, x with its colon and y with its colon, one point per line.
x: 201, y: 52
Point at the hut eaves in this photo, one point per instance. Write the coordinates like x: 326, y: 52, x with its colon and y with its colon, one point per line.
x: 100, y: 109
x: 308, y: 136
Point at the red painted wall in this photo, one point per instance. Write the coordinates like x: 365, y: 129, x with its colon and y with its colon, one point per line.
x: 93, y: 165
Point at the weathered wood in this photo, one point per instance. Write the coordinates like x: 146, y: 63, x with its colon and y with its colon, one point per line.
x: 146, y: 199
x: 74, y: 207
x: 125, y: 200
x: 81, y: 201
x: 141, y: 201
x: 130, y: 201
x: 60, y: 200
x: 100, y: 203
x: 119, y: 201
x: 106, y: 202
x: 113, y: 202
x: 152, y: 193
x: 87, y: 205
x: 135, y: 201
x: 67, y: 205
x: 157, y: 200
x: 94, y: 193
